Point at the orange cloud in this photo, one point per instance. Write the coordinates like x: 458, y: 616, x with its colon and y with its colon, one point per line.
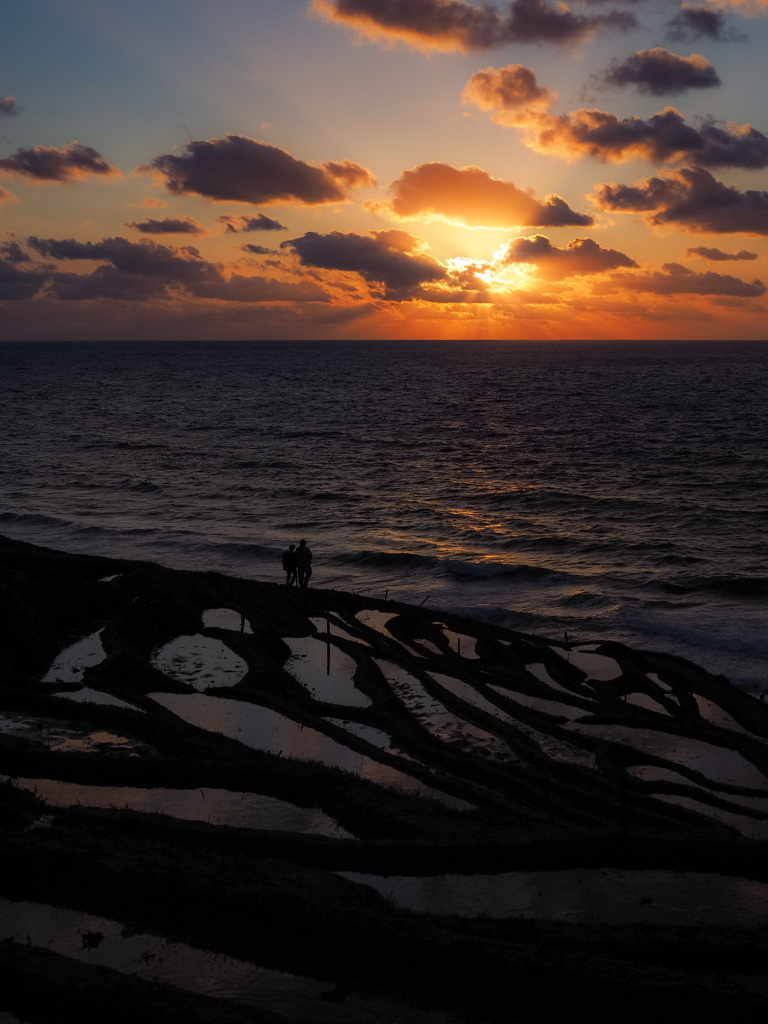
x: 240, y: 169
x: 44, y: 164
x: 453, y: 25
x: 149, y: 203
x: 581, y: 256
x: 383, y: 257
x: 470, y: 197
x: 718, y: 256
x: 144, y: 271
x: 675, y: 279
x: 518, y: 102
x: 168, y: 226
x: 7, y: 197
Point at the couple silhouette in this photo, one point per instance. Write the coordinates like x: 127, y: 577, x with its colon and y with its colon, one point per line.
x: 297, y: 563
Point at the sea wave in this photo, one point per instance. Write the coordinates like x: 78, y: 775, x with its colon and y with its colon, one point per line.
x: 387, y: 559
x: 489, y: 570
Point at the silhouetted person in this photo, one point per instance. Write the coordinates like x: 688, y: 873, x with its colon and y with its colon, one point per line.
x: 291, y: 565
x: 304, y: 558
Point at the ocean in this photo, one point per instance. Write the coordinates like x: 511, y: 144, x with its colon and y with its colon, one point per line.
x: 607, y: 491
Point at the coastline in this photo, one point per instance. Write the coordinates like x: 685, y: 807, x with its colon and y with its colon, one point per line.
x: 534, y: 808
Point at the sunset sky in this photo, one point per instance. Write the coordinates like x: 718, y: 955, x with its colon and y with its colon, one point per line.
x: 383, y: 169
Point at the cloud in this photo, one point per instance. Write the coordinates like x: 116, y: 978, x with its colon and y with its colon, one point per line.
x: 399, y: 240
x: 690, y: 198
x: 372, y: 257
x: 258, y: 250
x: 8, y: 107
x: 149, y: 203
x: 718, y: 256
x: 510, y: 89
x: 239, y: 169
x: 450, y: 25
x: 660, y: 73
x: 17, y: 284
x: 663, y: 138
x: 675, y: 279
x: 7, y: 197
x: 581, y: 256
x: 138, y: 271
x: 472, y: 198
x: 693, y: 23
x: 234, y: 225
x: 72, y: 163
x: 12, y: 252
x: 168, y: 226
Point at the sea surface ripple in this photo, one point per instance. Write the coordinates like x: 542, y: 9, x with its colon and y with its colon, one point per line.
x: 603, y: 490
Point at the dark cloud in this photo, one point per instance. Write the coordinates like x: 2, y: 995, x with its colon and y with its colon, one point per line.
x: 581, y: 256
x: 139, y: 271
x: 12, y: 252
x: 471, y: 197
x: 246, y: 224
x: 258, y: 250
x: 372, y: 258
x: 108, y: 283
x: 455, y: 25
x: 8, y: 107
x: 17, y: 284
x: 518, y: 102
x: 660, y: 73
x: 718, y: 256
x: 694, y: 23
x: 675, y: 279
x: 43, y: 163
x: 145, y: 259
x: 259, y: 289
x: 239, y: 169
x: 691, y: 198
x: 167, y: 226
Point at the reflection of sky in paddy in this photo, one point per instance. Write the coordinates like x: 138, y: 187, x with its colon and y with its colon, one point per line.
x: 217, y: 806
x: 267, y: 730
x: 69, y: 666
x: 716, y: 716
x: 273, y: 995
x: 378, y: 621
x: 434, y: 716
x: 89, y: 696
x: 321, y: 625
x: 539, y: 669
x: 225, y: 618
x: 596, y: 666
x: 64, y: 738
x: 460, y: 642
x: 643, y: 700
x: 605, y: 896
x: 367, y: 732
x: 200, y: 661
x: 153, y: 958
x: 717, y: 763
x: 327, y: 681
x: 551, y: 707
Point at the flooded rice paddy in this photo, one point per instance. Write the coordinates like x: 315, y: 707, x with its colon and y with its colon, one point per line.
x: 263, y: 729
x: 215, y: 806
x: 605, y: 896
x: 200, y: 661
x: 70, y: 665
x: 64, y: 737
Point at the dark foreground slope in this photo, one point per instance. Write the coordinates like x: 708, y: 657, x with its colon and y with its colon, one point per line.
x: 541, y: 794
